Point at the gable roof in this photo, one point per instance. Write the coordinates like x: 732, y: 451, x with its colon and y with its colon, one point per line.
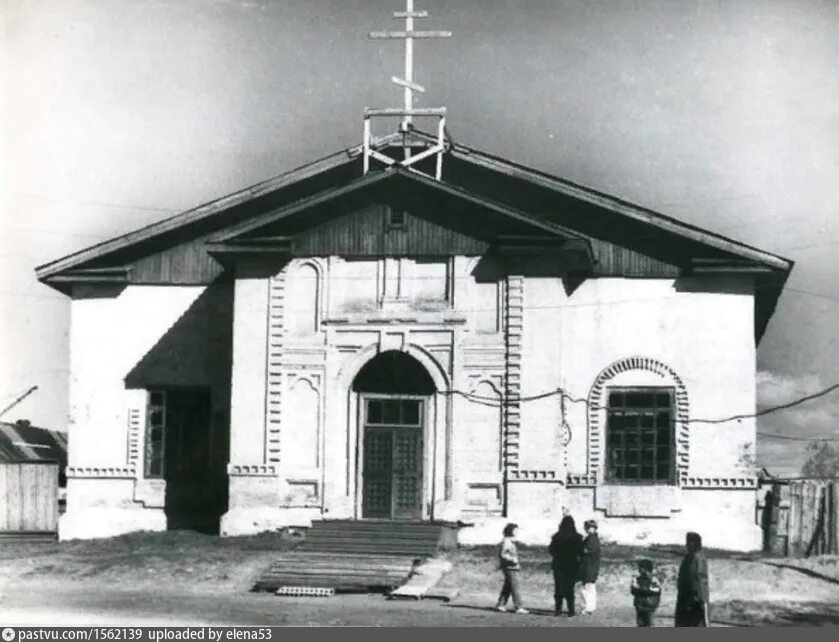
x: 348, y: 160
x: 551, y: 203
x: 390, y: 176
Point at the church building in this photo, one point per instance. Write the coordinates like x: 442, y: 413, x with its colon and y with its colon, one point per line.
x: 412, y: 329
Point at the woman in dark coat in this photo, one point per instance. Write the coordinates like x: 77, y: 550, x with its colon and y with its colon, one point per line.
x: 693, y: 591
x: 565, y: 549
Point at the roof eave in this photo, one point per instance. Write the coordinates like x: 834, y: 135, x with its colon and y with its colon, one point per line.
x: 621, y: 206
x: 346, y: 156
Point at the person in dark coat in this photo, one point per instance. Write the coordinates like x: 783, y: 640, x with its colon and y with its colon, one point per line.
x: 590, y: 567
x: 693, y: 591
x: 566, y: 549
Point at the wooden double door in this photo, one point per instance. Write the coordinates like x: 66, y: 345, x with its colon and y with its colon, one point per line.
x: 392, y: 456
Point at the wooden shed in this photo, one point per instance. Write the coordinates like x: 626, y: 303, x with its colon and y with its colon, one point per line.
x: 32, y: 463
x: 800, y: 517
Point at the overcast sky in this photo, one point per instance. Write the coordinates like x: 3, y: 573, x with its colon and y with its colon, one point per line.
x: 723, y: 113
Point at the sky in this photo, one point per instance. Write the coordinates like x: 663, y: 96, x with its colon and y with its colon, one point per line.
x: 722, y: 113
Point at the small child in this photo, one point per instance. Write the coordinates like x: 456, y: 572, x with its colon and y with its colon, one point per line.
x: 647, y: 592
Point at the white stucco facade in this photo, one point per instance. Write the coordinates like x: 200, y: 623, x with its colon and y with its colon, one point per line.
x: 300, y: 337
x: 113, y: 335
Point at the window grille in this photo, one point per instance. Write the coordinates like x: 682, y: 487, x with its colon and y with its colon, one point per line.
x: 640, y: 443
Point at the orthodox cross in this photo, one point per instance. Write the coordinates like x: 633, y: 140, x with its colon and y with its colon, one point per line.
x: 407, y: 111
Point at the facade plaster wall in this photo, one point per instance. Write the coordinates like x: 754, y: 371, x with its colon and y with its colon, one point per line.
x: 702, y: 329
x: 120, y: 344
x: 726, y: 519
x: 542, y: 359
x: 699, y: 329
x: 250, y: 351
x: 109, y: 336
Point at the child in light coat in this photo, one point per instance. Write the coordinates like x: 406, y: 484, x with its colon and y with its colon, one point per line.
x: 508, y: 559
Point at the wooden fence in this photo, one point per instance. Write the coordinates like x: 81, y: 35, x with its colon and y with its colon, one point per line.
x: 801, y: 518
x: 28, y: 497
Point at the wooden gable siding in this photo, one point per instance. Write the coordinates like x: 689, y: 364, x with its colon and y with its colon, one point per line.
x: 597, y: 222
x: 185, y: 264
x: 614, y: 260
x: 365, y: 232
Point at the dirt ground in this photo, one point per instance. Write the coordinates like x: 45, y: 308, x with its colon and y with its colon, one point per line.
x: 182, y: 578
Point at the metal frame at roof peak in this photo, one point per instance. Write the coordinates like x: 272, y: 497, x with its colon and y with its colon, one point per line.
x: 407, y: 111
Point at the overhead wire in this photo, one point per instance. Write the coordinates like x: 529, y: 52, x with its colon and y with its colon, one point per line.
x: 502, y: 401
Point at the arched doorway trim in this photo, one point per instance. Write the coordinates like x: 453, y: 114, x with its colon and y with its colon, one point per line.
x: 438, y: 431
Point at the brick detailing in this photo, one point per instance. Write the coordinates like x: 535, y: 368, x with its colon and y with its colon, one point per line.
x: 273, y: 375
x: 721, y: 482
x: 135, y: 432
x: 100, y: 472
x: 251, y: 470
x: 512, y: 380
x: 535, y: 475
x: 597, y: 414
x: 581, y: 481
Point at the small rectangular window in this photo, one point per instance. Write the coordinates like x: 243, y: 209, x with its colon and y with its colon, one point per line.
x: 394, y: 412
x: 155, y: 434
x: 639, y: 436
x: 396, y: 219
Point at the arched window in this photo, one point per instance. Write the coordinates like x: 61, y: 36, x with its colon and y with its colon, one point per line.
x: 637, y: 424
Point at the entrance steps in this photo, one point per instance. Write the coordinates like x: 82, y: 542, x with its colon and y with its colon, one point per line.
x: 379, y: 537
x: 357, y: 555
x: 338, y: 571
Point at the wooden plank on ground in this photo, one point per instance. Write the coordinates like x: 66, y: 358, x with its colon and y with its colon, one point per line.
x: 305, y: 591
x: 445, y: 594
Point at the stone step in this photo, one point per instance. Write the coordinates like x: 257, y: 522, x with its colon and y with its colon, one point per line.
x: 356, y: 555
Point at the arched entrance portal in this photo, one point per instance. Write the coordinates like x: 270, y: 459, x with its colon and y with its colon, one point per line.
x: 394, y: 393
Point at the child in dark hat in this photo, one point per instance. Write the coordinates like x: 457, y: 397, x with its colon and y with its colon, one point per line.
x: 647, y: 592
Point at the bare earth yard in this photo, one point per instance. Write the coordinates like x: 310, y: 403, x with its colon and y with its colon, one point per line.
x: 183, y: 578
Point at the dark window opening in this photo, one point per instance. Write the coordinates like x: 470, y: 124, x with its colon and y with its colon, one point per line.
x: 393, y: 412
x: 640, y: 440
x: 155, y: 432
x: 187, y: 447
x: 396, y: 219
